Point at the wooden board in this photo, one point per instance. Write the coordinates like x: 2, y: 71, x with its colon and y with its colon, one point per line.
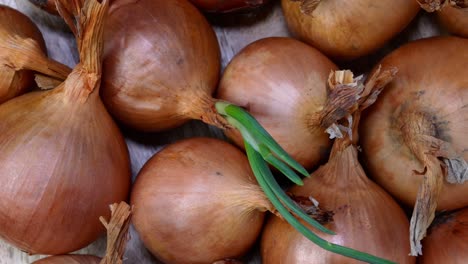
x: 234, y: 32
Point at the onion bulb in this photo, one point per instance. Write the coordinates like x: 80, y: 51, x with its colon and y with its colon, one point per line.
x: 227, y: 5
x: 414, y: 137
x: 117, y: 234
x: 348, y: 29
x: 362, y: 215
x: 447, y: 239
x: 197, y: 201
x: 63, y: 158
x: 22, y: 51
x: 282, y: 83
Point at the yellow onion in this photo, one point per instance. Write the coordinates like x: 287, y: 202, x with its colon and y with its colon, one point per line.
x: 282, y: 83
x: 22, y: 51
x: 362, y: 215
x: 158, y: 77
x: 63, y: 158
x: 414, y: 137
x: 447, y: 239
x: 227, y: 5
x: 197, y: 201
x: 348, y: 29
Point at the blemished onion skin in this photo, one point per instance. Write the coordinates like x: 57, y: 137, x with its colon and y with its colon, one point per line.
x: 432, y: 80
x: 197, y: 201
x: 455, y: 20
x: 69, y: 259
x: 227, y: 5
x: 282, y: 83
x: 16, y: 23
x: 349, y: 29
x: 158, y: 77
x: 447, y: 240
x: 365, y: 218
x: 63, y: 159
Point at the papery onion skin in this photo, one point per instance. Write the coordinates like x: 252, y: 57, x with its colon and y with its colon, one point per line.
x: 12, y: 82
x: 349, y: 29
x: 431, y: 80
x: 227, y: 5
x: 196, y: 202
x: 455, y: 20
x: 447, y: 240
x: 282, y: 83
x: 158, y: 77
x: 61, y: 167
x: 69, y: 259
x: 365, y: 218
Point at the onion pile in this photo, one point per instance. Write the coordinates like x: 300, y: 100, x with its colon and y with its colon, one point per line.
x: 227, y: 5
x: 360, y: 209
x: 66, y: 160
x: 348, y: 29
x: 447, y: 239
x: 414, y: 138
x: 140, y: 90
x: 197, y: 201
x: 22, y: 51
x: 282, y: 83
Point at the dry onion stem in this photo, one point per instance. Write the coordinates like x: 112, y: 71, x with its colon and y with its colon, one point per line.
x: 117, y: 233
x: 436, y: 5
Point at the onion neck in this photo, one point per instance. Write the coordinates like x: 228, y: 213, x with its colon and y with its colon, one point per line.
x: 202, y: 107
x: 437, y: 5
x: 86, y: 20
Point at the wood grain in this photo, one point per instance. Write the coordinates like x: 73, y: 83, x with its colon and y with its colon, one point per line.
x: 234, y: 32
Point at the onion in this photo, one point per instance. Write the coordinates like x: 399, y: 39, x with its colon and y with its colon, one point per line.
x: 227, y: 5
x: 63, y: 158
x: 22, y: 51
x: 282, y: 83
x: 360, y: 209
x: 348, y: 29
x: 447, y: 239
x: 197, y: 201
x: 117, y: 234
x: 415, y: 135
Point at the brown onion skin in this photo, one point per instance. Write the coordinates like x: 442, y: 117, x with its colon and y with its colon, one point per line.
x: 447, y: 240
x: 61, y: 166
x: 69, y: 259
x: 349, y: 29
x: 158, y: 77
x: 15, y: 23
x: 189, y: 204
x: 431, y: 79
x: 455, y: 20
x: 222, y: 6
x: 365, y: 218
x: 282, y: 83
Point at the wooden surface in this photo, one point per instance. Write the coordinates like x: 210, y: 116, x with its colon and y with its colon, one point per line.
x: 234, y: 32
